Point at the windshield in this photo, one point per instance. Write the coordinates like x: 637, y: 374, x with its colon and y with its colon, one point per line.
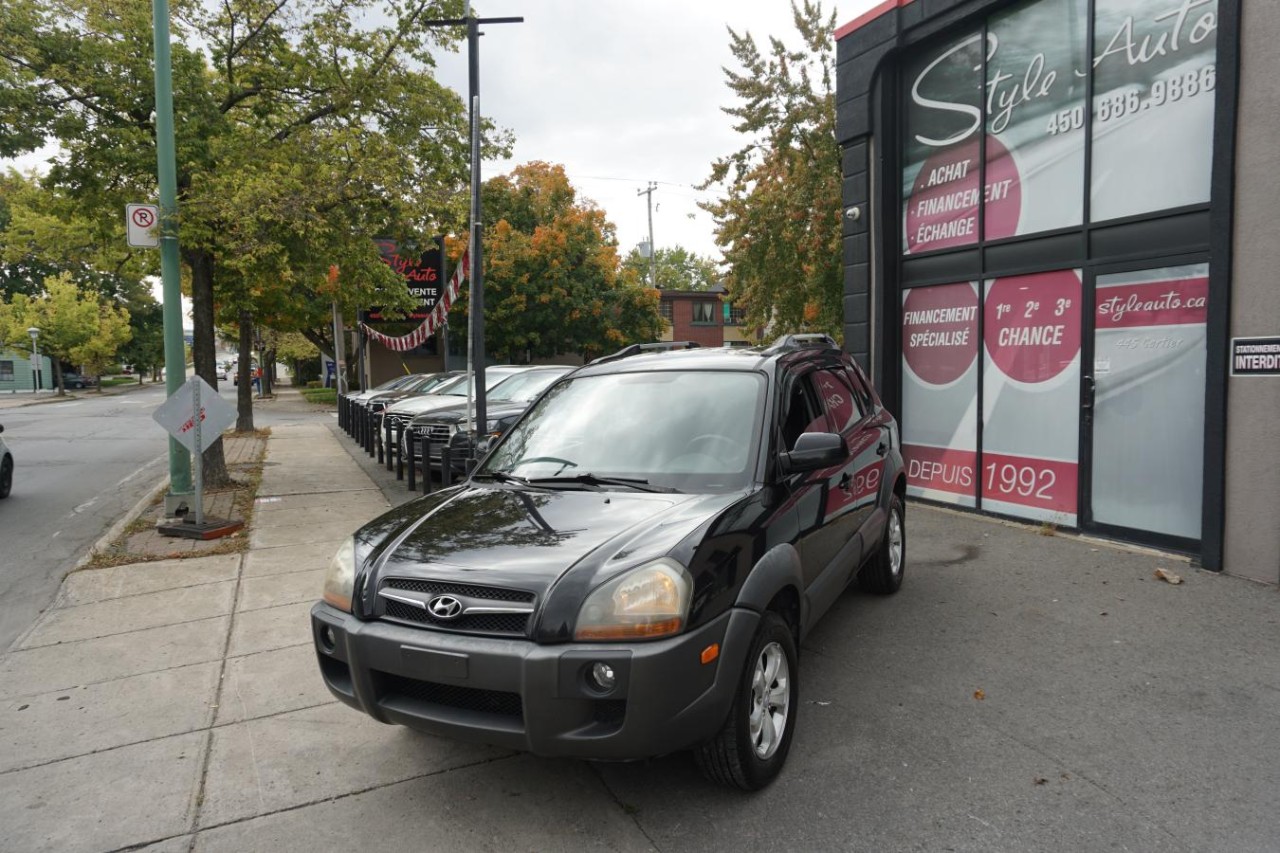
x: 694, y: 430
x: 462, y: 387
x: 523, y: 387
x: 430, y: 384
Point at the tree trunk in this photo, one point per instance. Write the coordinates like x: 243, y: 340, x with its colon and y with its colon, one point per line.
x: 202, y: 352
x: 56, y: 365
x: 244, y: 382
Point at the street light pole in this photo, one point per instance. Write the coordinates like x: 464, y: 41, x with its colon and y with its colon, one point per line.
x: 475, y: 309
x: 35, y: 360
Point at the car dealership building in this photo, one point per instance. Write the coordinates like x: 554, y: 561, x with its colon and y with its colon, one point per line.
x: 1061, y: 260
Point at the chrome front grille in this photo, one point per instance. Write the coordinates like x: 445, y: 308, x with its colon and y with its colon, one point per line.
x: 485, y: 609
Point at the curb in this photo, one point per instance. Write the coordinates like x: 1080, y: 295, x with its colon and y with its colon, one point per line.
x: 113, y: 532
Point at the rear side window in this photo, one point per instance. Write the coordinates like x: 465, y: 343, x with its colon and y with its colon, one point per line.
x: 860, y: 389
x: 803, y: 412
x: 839, y: 398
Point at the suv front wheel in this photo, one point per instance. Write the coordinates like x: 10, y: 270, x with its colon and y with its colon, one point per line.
x: 751, y: 748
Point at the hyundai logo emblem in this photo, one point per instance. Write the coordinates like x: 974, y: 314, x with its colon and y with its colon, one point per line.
x: 445, y: 607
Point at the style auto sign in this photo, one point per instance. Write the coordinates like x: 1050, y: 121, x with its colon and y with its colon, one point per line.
x: 423, y: 274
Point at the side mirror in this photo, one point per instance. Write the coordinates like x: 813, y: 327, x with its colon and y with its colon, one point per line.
x: 814, y: 450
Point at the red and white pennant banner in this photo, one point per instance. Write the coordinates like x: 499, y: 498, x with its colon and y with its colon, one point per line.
x: 435, y: 320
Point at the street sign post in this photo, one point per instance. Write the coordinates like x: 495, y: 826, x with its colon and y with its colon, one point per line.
x: 196, y: 416
x: 140, y: 222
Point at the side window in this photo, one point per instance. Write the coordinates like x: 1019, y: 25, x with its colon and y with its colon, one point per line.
x: 860, y: 386
x: 839, y: 398
x: 803, y: 413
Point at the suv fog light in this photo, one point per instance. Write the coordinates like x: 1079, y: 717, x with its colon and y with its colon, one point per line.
x: 603, y: 677
x: 328, y: 641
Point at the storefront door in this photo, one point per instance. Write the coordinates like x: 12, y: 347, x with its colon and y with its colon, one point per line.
x: 1143, y: 403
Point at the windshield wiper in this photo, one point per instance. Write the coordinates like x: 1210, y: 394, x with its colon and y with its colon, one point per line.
x: 504, y: 477
x: 592, y: 480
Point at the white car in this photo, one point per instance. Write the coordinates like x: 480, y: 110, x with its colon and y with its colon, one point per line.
x: 450, y: 394
x: 6, y: 468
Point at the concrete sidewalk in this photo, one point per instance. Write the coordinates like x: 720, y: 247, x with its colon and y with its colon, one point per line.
x: 178, y: 703
x: 1022, y: 692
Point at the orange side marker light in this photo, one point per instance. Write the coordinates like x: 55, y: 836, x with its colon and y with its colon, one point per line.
x: 710, y: 653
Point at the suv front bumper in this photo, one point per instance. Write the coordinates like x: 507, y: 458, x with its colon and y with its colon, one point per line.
x: 522, y: 695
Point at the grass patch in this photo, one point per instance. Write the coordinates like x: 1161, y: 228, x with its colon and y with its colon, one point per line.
x: 113, y: 381
x: 322, y: 396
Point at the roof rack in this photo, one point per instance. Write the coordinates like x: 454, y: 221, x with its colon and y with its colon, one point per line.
x: 636, y: 349
x: 794, y: 342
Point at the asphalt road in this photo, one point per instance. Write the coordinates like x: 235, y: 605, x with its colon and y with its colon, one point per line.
x: 80, y: 465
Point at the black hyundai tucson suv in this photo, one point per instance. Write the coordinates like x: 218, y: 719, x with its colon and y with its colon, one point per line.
x: 631, y: 569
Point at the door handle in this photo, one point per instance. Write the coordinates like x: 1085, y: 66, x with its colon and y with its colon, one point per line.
x: 882, y: 449
x: 1089, y: 387
x: 845, y: 481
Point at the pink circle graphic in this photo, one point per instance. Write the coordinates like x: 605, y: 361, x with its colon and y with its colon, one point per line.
x: 940, y: 331
x: 942, y: 210
x: 1032, y: 324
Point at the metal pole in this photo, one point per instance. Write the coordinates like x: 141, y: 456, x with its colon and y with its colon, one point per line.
x: 175, y: 361
x: 339, y: 351
x: 477, y: 231
x: 653, y: 251
x: 198, y: 415
x: 35, y: 366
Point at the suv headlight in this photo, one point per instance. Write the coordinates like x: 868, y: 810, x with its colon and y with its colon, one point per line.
x: 340, y: 579
x: 646, y: 603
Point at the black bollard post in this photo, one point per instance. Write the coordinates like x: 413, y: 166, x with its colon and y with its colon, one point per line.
x: 383, y: 447
x: 408, y: 450
x: 387, y: 432
x: 446, y: 466
x: 426, y: 464
x: 400, y: 452
x: 370, y: 430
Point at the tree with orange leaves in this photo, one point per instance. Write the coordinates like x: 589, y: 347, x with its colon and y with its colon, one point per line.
x: 552, y: 279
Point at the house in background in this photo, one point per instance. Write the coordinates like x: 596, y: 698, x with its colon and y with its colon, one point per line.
x: 16, y: 372
x: 705, y: 317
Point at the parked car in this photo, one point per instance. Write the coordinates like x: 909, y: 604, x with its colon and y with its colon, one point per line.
x: 503, y: 406
x: 75, y: 380
x: 396, y: 382
x: 630, y: 571
x: 6, y: 468
x: 444, y: 395
x: 424, y: 383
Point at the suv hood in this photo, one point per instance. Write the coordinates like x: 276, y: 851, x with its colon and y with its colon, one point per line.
x: 458, y: 414
x: 528, y: 539
x: 423, y: 403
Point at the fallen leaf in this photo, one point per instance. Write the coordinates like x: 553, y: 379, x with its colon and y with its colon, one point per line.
x: 979, y: 695
x: 1168, y: 576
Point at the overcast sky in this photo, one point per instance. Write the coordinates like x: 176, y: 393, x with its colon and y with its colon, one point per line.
x: 621, y: 92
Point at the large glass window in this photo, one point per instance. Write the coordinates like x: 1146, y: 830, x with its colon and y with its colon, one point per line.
x: 1153, y: 83
x: 940, y: 392
x: 1031, y: 392
x: 996, y: 119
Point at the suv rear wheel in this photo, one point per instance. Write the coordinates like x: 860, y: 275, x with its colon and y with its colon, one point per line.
x: 750, y: 749
x: 6, y: 476
x: 883, y: 575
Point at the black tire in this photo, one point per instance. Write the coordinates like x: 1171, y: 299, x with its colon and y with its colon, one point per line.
x: 883, y: 575
x: 731, y: 757
x: 6, y: 477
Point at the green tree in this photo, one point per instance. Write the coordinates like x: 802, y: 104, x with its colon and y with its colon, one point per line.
x: 74, y: 326
x: 304, y: 129
x: 675, y: 269
x: 144, y: 351
x: 552, y: 282
x: 778, y: 222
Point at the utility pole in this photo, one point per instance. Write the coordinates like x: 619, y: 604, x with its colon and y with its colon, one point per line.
x: 653, y: 252
x: 175, y: 359
x: 475, y: 319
